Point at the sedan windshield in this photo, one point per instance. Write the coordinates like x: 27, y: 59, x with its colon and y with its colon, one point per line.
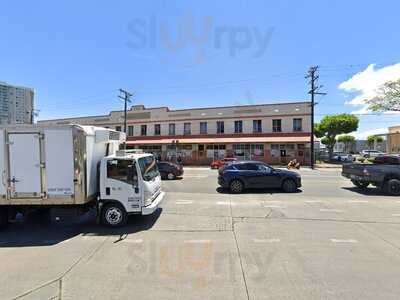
x: 148, y: 167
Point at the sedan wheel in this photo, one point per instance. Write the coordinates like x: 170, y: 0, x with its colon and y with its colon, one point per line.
x: 393, y: 187
x: 289, y: 186
x: 236, y: 186
x: 171, y: 176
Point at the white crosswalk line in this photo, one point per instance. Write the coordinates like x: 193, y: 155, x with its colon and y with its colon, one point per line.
x: 331, y: 210
x: 197, y: 241
x: 352, y: 241
x: 183, y: 202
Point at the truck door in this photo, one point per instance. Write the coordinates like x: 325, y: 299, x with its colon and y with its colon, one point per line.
x: 25, y: 168
x: 121, y: 185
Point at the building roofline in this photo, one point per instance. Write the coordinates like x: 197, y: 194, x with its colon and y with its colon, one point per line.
x: 16, y: 86
x: 178, y: 110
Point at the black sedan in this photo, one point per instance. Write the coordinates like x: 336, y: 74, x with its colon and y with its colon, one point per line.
x: 254, y: 174
x: 169, y: 170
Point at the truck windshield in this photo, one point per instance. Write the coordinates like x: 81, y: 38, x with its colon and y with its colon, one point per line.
x: 148, y: 167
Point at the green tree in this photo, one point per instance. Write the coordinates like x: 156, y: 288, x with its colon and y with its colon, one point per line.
x: 347, y: 140
x: 332, y: 126
x: 388, y: 98
x: 372, y: 139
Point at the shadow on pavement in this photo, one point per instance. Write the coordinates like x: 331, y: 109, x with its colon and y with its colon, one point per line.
x: 366, y: 191
x: 256, y: 191
x: 34, y: 232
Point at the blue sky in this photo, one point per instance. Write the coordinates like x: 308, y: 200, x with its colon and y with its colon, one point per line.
x: 181, y: 54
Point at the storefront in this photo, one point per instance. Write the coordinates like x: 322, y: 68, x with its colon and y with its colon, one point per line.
x: 202, y: 151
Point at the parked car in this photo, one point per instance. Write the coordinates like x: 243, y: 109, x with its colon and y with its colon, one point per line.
x: 343, y: 157
x: 169, y: 170
x: 239, y: 176
x: 387, y: 160
x: 216, y: 164
x: 383, y: 176
x: 371, y: 153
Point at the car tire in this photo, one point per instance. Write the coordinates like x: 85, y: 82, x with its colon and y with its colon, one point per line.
x: 236, y: 186
x: 289, y: 186
x: 392, y: 187
x: 113, y: 215
x: 171, y: 176
x: 360, y: 185
x: 163, y: 175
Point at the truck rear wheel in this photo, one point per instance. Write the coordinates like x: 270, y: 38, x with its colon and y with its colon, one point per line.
x: 3, y: 217
x: 113, y: 215
x: 392, y: 187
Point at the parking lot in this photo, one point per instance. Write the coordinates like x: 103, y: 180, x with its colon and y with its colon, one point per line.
x: 327, y: 241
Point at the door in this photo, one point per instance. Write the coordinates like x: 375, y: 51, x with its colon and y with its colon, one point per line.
x: 266, y: 177
x: 25, y: 168
x: 122, y: 184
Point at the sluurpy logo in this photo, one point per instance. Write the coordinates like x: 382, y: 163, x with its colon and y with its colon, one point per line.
x: 197, y: 41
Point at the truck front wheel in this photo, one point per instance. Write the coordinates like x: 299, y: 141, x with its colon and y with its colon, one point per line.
x: 113, y: 215
x: 393, y: 187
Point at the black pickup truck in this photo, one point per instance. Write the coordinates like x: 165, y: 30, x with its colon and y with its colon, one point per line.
x: 383, y: 176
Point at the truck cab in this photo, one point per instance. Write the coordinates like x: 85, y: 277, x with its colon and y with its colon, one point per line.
x: 130, y: 183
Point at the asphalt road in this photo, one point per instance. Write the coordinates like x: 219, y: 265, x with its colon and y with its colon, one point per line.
x: 328, y: 241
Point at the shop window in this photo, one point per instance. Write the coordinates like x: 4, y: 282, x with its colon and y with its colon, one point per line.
x: 257, y: 150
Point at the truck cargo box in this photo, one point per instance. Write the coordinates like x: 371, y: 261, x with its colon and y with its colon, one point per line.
x: 43, y: 165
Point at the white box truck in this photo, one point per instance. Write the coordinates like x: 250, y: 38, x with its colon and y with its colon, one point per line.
x: 74, y: 167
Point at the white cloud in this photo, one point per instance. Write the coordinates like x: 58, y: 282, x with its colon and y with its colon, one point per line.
x: 364, y: 134
x: 367, y: 82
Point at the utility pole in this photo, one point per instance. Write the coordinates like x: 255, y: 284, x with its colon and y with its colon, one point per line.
x: 125, y: 95
x: 313, y: 75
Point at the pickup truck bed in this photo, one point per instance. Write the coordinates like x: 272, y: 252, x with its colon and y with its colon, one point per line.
x: 386, y: 177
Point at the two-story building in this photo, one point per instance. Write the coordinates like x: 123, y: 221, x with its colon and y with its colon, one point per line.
x: 274, y: 133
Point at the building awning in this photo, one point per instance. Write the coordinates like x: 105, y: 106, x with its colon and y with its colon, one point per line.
x: 238, y: 140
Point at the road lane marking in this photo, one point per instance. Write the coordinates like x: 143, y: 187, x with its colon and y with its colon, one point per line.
x: 197, y: 241
x: 183, y: 202
x: 331, y: 210
x: 266, y: 240
x: 351, y: 241
x: 274, y: 206
x: 358, y: 201
x: 396, y: 215
x: 314, y: 201
x: 225, y: 203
